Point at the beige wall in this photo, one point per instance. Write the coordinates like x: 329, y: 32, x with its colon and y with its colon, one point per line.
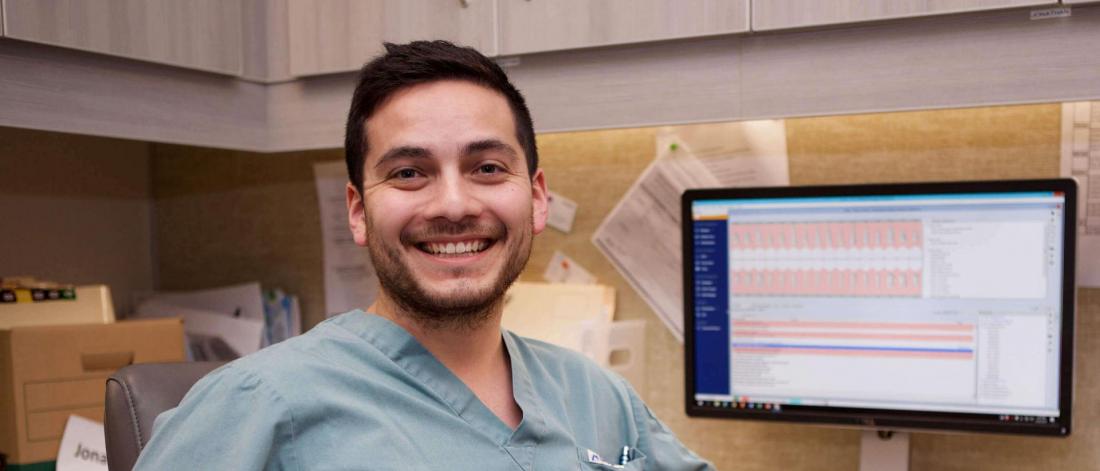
x: 225, y: 217
x: 76, y: 209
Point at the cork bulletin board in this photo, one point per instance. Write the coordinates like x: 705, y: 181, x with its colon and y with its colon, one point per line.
x: 225, y: 216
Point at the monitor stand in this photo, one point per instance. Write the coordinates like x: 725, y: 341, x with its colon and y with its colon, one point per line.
x: 883, y: 450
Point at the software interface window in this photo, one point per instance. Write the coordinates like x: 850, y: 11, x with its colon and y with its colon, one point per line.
x: 917, y: 302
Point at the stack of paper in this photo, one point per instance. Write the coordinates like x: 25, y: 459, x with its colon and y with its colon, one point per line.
x: 578, y: 317
x: 573, y: 316
x: 229, y: 322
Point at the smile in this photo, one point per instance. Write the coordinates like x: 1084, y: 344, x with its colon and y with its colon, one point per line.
x: 455, y: 249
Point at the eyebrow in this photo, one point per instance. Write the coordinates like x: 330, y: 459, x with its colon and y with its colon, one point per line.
x: 475, y: 147
x: 404, y: 152
x: 489, y: 145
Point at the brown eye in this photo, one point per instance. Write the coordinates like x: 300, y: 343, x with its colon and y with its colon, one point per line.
x: 406, y: 174
x: 489, y: 169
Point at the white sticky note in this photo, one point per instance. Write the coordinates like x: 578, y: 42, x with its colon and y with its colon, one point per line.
x: 562, y: 212
x: 563, y: 269
x: 83, y: 447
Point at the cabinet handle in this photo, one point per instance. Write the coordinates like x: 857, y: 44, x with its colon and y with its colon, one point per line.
x: 106, y: 361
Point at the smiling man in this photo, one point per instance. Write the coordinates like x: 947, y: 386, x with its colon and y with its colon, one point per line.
x: 446, y: 194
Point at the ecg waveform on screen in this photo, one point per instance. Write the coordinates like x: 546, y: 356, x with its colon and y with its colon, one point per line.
x: 841, y: 258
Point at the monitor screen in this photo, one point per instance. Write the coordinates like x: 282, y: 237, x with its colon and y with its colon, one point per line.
x: 943, y: 306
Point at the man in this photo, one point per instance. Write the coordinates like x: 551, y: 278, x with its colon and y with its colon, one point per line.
x: 446, y: 194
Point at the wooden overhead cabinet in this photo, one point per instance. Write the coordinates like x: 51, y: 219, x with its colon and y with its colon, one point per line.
x: 327, y: 36
x: 547, y: 25
x: 197, y: 34
x: 783, y: 14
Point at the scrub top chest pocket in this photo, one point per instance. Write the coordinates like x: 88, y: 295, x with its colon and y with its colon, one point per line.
x: 591, y: 460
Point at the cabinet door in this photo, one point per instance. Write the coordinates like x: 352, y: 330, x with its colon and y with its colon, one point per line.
x: 545, y: 25
x: 780, y: 14
x: 198, y: 34
x: 340, y: 35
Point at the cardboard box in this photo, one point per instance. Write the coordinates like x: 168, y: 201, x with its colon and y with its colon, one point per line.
x: 50, y: 372
x: 91, y: 306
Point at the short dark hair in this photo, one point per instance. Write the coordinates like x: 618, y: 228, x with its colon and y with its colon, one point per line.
x: 406, y: 65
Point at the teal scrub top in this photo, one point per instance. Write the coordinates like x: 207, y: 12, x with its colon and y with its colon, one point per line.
x: 358, y: 392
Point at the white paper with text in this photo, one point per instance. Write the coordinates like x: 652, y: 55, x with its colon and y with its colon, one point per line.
x: 83, y: 446
x: 350, y: 281
x: 641, y: 235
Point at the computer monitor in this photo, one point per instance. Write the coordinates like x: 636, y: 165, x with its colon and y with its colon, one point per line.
x: 926, y: 306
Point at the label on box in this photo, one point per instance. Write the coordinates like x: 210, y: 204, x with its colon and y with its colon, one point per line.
x: 1046, y: 14
x: 83, y: 446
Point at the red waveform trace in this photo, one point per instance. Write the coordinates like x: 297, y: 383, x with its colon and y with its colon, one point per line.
x: 832, y: 282
x: 804, y: 247
x: 826, y: 235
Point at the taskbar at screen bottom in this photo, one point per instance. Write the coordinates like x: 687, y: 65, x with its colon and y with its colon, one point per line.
x: 917, y: 407
x: 883, y: 419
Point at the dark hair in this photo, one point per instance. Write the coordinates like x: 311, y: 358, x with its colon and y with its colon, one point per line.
x: 405, y: 65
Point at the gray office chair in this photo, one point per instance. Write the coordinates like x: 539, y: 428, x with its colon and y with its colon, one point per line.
x: 136, y: 394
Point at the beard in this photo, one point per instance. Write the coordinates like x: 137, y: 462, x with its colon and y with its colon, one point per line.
x: 465, y: 307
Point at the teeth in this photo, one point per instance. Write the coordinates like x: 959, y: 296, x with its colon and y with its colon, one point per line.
x: 453, y: 248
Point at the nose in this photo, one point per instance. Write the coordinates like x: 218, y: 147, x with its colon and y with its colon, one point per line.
x: 454, y: 198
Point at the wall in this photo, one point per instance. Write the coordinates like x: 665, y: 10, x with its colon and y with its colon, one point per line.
x: 226, y: 217
x: 76, y: 209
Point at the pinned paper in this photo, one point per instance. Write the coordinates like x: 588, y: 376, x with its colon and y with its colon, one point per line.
x: 350, y: 281
x: 563, y: 269
x: 83, y: 446
x: 641, y: 235
x: 562, y: 212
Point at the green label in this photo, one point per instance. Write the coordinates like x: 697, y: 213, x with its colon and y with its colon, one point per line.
x: 43, y: 466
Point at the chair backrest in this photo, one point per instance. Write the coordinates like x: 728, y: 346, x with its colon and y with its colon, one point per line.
x: 136, y: 394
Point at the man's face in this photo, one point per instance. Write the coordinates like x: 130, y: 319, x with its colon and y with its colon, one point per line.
x: 450, y: 208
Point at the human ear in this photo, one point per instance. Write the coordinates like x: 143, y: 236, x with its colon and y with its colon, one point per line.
x: 540, y: 202
x: 357, y: 222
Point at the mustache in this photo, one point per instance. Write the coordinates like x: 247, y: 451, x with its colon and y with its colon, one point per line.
x: 445, y: 228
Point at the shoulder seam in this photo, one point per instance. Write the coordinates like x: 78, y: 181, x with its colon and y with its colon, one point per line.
x: 263, y: 382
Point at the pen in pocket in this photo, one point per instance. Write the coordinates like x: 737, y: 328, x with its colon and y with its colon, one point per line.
x: 624, y: 457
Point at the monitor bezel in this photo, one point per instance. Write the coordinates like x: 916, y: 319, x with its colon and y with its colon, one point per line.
x: 892, y: 419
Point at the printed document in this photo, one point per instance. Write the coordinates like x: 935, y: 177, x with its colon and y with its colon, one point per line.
x: 641, y: 236
x: 350, y: 282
